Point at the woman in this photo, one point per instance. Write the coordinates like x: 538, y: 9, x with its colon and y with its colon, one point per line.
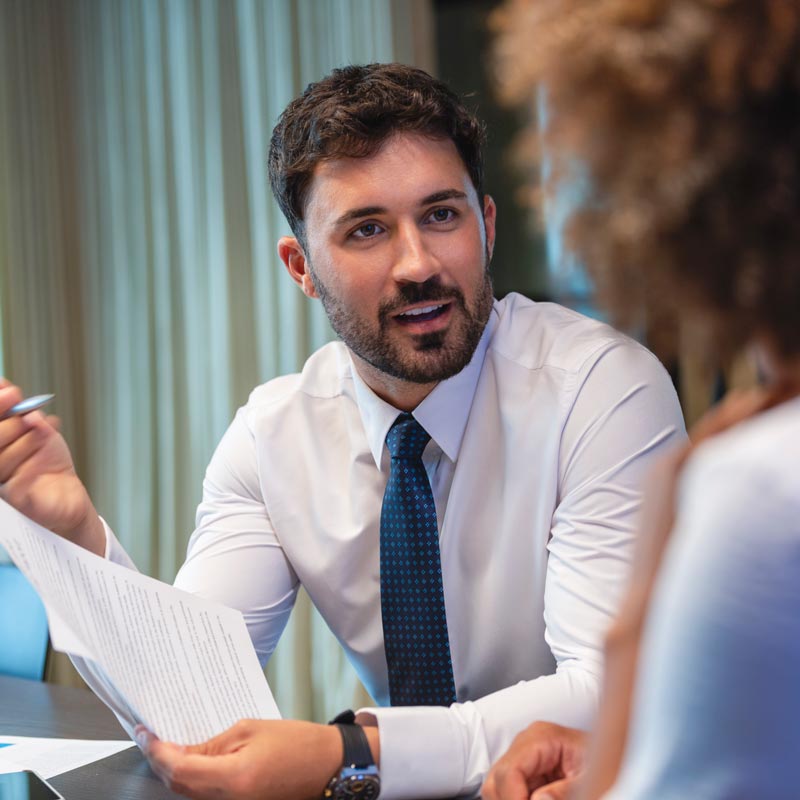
x: 684, y: 116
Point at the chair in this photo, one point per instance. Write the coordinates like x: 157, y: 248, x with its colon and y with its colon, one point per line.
x: 24, y: 637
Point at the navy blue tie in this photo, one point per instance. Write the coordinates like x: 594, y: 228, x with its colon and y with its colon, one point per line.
x: 412, y: 599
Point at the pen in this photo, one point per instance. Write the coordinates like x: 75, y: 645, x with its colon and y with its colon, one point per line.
x: 28, y: 405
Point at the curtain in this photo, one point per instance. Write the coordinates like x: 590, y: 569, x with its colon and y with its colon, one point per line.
x: 138, y: 274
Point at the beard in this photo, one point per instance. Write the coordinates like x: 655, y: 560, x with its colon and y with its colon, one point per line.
x: 423, y: 358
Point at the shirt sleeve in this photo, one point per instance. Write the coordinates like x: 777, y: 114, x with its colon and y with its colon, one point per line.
x: 624, y: 414
x: 234, y: 556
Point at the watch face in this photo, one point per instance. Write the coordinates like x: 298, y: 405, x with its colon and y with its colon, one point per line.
x: 355, y: 784
x: 358, y: 787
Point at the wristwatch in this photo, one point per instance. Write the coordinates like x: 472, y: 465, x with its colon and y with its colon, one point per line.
x: 358, y: 778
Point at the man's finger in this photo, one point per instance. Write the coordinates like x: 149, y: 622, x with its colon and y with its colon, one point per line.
x: 164, y: 757
x: 19, y: 451
x: 202, y: 777
x: 512, y: 784
x: 10, y: 395
x: 558, y: 790
x: 144, y: 737
x: 178, y: 770
x: 10, y: 430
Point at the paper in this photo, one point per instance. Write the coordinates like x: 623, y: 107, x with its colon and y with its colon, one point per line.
x: 49, y: 757
x: 185, y: 666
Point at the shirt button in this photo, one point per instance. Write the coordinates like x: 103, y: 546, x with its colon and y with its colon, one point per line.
x: 462, y: 694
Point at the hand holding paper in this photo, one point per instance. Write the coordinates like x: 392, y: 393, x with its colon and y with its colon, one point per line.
x: 182, y: 666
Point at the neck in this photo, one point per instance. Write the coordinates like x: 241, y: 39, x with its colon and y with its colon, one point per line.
x: 405, y: 395
x: 782, y: 372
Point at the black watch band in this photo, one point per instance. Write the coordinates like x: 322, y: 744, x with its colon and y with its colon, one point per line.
x: 357, y: 752
x: 358, y: 778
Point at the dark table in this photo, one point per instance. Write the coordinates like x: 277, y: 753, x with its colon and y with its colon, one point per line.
x: 30, y: 708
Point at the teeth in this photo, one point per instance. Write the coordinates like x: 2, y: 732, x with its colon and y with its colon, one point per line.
x: 415, y: 312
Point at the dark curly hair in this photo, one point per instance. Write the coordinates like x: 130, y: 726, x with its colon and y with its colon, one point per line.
x: 684, y: 116
x: 351, y: 113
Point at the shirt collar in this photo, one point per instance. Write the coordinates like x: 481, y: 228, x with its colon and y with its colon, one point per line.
x: 443, y: 413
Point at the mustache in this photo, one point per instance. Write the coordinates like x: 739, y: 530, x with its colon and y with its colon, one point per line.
x: 431, y: 291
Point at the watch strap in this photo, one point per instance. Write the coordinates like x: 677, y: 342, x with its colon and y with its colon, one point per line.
x: 357, y: 751
x: 347, y: 717
x: 358, y: 778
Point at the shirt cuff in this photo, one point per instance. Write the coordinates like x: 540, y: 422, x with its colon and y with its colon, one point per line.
x: 430, y: 751
x: 114, y: 551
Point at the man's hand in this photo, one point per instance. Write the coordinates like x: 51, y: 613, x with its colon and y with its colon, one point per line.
x: 38, y: 478
x: 275, y: 759
x: 543, y: 763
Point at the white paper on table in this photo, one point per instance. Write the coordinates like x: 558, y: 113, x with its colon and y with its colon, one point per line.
x: 49, y: 757
x: 185, y: 666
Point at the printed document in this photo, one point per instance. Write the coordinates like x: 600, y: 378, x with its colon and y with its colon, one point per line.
x: 50, y: 757
x: 183, y: 666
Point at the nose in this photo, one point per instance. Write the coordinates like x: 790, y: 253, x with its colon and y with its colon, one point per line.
x: 415, y: 261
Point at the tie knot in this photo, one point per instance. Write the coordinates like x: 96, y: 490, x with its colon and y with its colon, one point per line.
x: 407, y: 438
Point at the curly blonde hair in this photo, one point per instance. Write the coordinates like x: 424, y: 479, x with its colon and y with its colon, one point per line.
x: 684, y: 115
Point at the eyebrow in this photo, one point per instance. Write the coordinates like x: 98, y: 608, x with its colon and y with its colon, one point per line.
x: 440, y: 197
x: 369, y: 211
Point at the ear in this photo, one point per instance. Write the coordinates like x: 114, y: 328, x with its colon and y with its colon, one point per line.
x: 291, y: 253
x: 489, y: 222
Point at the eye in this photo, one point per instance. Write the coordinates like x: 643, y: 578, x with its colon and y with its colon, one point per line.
x: 366, y: 231
x: 440, y: 215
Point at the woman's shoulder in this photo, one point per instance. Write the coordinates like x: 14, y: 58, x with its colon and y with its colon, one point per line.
x: 770, y: 440
x: 756, y: 463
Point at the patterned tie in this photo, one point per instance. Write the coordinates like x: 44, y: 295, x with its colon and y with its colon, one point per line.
x: 412, y: 599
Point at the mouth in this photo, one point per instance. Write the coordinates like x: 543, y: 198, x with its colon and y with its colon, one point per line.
x: 422, y: 314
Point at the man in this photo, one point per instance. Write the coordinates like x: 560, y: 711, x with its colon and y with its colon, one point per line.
x: 509, y: 563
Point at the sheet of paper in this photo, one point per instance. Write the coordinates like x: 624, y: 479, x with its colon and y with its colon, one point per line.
x: 49, y: 757
x: 185, y: 666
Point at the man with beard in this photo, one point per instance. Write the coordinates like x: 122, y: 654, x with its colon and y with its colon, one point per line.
x: 454, y: 482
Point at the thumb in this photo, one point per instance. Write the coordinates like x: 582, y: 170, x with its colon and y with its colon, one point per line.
x: 558, y: 790
x: 228, y: 741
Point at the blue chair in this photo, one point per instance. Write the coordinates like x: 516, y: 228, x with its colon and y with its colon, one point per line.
x: 24, y: 637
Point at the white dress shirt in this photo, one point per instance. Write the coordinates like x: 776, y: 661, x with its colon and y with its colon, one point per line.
x: 538, y: 451
x: 717, y: 713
